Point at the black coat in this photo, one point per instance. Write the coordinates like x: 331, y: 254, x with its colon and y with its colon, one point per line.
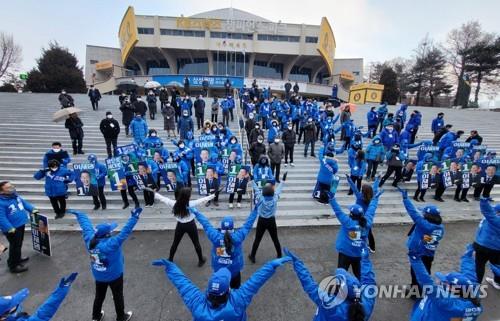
x: 249, y: 125
x: 140, y: 107
x: 288, y: 86
x: 127, y: 113
x: 163, y: 95
x: 199, y: 107
x: 110, y: 128
x: 309, y: 133
x: 95, y: 95
x: 254, y: 135
x: 256, y: 150
x: 74, y: 125
x: 289, y: 137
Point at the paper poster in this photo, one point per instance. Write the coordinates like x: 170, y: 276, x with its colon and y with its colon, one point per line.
x: 40, y: 234
x: 116, y: 173
x: 237, y: 179
x: 201, y: 174
x: 85, y: 179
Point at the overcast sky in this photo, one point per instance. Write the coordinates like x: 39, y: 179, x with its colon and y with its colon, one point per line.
x: 375, y: 30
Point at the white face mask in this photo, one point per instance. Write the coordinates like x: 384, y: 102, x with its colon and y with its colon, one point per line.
x: 276, y: 141
x: 181, y: 146
x: 260, y: 141
x: 290, y: 128
x: 153, y: 135
x: 233, y: 142
x: 109, y: 116
x: 54, y: 169
x: 56, y: 150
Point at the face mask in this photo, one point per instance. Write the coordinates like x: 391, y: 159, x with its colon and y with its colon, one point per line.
x: 390, y: 129
x: 276, y: 141
x: 54, y: 169
x: 290, y: 128
x: 233, y: 142
x: 153, y: 135
x: 56, y: 150
x: 64, y: 93
x: 257, y: 127
x: 260, y: 141
x: 181, y: 146
x: 207, y: 131
x: 109, y: 116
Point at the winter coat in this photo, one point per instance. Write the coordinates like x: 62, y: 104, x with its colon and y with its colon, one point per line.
x: 140, y: 107
x: 101, y: 171
x: 151, y: 99
x: 94, y: 94
x: 338, y: 312
x: 382, y: 112
x: 139, y: 129
x: 75, y: 127
x: 375, y: 152
x: 128, y: 111
x: 215, y: 108
x: 184, y: 126
x: 199, y: 107
x: 235, y: 307
x: 110, y: 128
x: 254, y: 135
x: 14, y: 212
x: 345, y: 116
x: 187, y: 104
x: 437, y: 124
x: 447, y: 140
x: 153, y: 142
x: 276, y: 152
x: 262, y: 172
x: 358, y: 168
x: 233, y: 261
x: 328, y: 168
x: 425, y: 237
x: 401, y: 113
x: 352, y: 237
x: 389, y: 138
x: 289, y: 138
x: 168, y: 113
x: 395, y: 159
x: 272, y: 134
x: 249, y: 125
x: 107, y: 262
x: 488, y: 232
x: 310, y: 133
x: 256, y: 150
x: 62, y: 157
x: 372, y: 118
x: 56, y: 183
x: 269, y: 204
x: 163, y: 96
x: 66, y: 100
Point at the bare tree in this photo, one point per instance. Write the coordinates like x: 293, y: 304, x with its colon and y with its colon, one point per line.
x: 10, y: 54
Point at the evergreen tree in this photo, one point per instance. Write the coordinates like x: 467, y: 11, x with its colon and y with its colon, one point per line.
x: 389, y: 79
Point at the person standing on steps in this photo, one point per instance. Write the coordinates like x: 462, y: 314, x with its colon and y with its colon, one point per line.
x: 215, y: 110
x: 57, y: 179
x: 310, y: 137
x: 199, y: 111
x: 75, y: 127
x: 185, y: 220
x: 151, y: 99
x: 168, y: 113
x: 94, y: 95
x: 14, y: 214
x: 127, y: 110
x: 139, y: 129
x: 110, y: 129
x: 268, y: 198
x: 163, y: 97
x: 100, y: 173
x: 289, y: 139
x: 276, y: 153
x: 227, y: 251
x: 57, y: 153
x: 140, y: 107
x: 107, y: 261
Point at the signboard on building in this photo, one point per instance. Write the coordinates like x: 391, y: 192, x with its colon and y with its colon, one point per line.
x: 197, y: 80
x: 128, y: 33
x: 366, y: 93
x: 104, y: 65
x: 231, y: 25
x: 326, y: 44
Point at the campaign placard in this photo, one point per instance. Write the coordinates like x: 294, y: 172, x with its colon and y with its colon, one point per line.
x: 170, y: 174
x: 237, y: 178
x: 445, y: 174
x: 116, y: 173
x: 40, y: 234
x: 201, y: 174
x: 424, y: 149
x: 424, y: 181
x: 333, y: 187
x: 465, y: 169
x: 85, y: 180
x: 224, y: 157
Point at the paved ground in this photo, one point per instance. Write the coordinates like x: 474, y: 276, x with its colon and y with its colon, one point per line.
x: 152, y: 297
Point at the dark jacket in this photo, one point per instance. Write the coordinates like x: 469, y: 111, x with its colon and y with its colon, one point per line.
x: 127, y: 113
x: 74, y: 125
x: 296, y: 88
x: 309, y: 133
x: 140, y: 107
x: 168, y: 113
x: 478, y: 138
x: 95, y: 95
x: 110, y: 128
x: 443, y: 131
x: 256, y: 150
x: 249, y: 125
x: 276, y: 152
x: 289, y: 137
x: 66, y: 100
x: 163, y: 95
x: 254, y: 135
x: 199, y: 107
x: 288, y: 86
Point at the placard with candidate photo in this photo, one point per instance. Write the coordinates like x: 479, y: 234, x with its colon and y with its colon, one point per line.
x: 40, y: 234
x: 171, y: 175
x: 237, y: 179
x: 85, y: 180
x: 116, y: 173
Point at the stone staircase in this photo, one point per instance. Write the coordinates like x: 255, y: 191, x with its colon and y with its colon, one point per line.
x: 26, y: 133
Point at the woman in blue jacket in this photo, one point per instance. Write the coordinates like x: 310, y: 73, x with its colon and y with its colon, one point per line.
x: 424, y: 236
x: 348, y: 300
x: 139, y: 129
x: 57, y: 179
x: 11, y: 308
x: 358, y: 169
x: 375, y: 154
x: 219, y: 302
x: 353, y: 233
x: 101, y: 172
x: 107, y: 261
x: 487, y: 244
x: 262, y: 171
x: 450, y: 299
x: 227, y: 251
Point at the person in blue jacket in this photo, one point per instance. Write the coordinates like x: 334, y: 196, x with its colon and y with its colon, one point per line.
x: 382, y: 113
x: 57, y: 179
x: 453, y: 298
x: 274, y: 131
x: 185, y: 125
x: 106, y: 260
x: 153, y: 141
x: 11, y: 306
x: 375, y: 153
x: 262, y: 171
x: 389, y: 137
x: 57, y: 153
x: 413, y: 124
x: 423, y: 237
x: 14, y: 214
x: 219, y: 302
x: 227, y: 250
x: 447, y: 140
x: 235, y: 146
x: 327, y: 170
x: 358, y: 169
x: 401, y: 113
x: 349, y: 299
x: 437, y: 123
x: 230, y: 101
x: 101, y: 172
x: 139, y: 129
x: 264, y: 112
x: 353, y: 233
x: 487, y: 244
x: 267, y: 198
x: 372, y: 118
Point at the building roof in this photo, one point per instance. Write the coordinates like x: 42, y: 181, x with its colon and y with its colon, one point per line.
x: 230, y: 14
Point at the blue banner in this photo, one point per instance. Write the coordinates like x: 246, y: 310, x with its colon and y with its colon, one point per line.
x: 197, y: 80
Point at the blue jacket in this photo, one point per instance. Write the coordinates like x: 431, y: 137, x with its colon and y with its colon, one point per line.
x: 269, y: 203
x: 488, y: 231
x: 272, y: 134
x: 107, y: 262
x: 382, y: 112
x: 52, y: 155
x: 101, y: 171
x: 375, y: 152
x: 153, y: 142
x: 338, y: 312
x: 187, y: 104
x: 437, y: 124
x: 415, y: 120
x: 372, y: 117
x: 265, y: 109
x: 440, y: 305
x: 139, y: 129
x: 352, y: 237
x: 358, y: 168
x: 56, y: 183
x: 234, y: 309
x: 447, y: 140
x: 48, y: 309
x: 401, y: 113
x: 328, y: 168
x: 260, y: 173
x: 185, y: 125
x: 225, y: 105
x: 426, y: 236
x: 14, y: 212
x: 233, y: 261
x: 389, y: 138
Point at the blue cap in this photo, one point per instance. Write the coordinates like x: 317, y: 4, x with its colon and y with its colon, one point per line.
x: 219, y: 282
x: 454, y: 278
x: 105, y: 228
x: 92, y: 158
x: 431, y: 209
x: 227, y: 223
x: 356, y: 210
x: 11, y: 301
